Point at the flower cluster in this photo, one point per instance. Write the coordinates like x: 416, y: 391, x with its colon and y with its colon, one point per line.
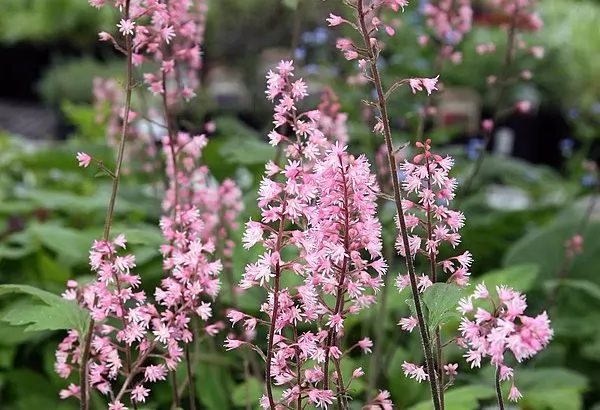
x: 124, y: 321
x: 504, y: 328
x: 333, y: 248
x: 332, y: 122
x: 449, y: 21
x: 428, y: 218
x: 169, y: 33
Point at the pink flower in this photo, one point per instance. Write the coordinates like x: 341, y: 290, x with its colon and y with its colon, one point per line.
x: 358, y: 373
x: 451, y: 369
x: 514, y: 394
x: 126, y: 27
x: 487, y: 125
x: 365, y: 344
x: 84, y: 159
x: 71, y: 391
x: 139, y: 393
x: 414, y: 372
x: 155, y: 372
x: 231, y: 344
x: 505, y: 329
x: 523, y: 106
x: 116, y: 405
x: 335, y: 20
x: 408, y: 323
x: 537, y: 51
x: 321, y: 398
x: 97, y: 3
x: 104, y: 36
x: 416, y: 84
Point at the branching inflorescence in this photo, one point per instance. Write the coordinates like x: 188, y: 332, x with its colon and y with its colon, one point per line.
x: 320, y: 235
x: 135, y: 340
x: 319, y: 230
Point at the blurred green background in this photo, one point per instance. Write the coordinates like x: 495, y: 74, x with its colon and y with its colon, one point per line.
x: 519, y: 211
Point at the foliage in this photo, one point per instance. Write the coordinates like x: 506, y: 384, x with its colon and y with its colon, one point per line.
x: 46, y: 202
x: 73, y: 80
x: 43, y: 21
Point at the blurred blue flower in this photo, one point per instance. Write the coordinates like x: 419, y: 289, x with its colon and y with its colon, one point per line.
x: 451, y: 37
x: 573, y: 113
x: 321, y: 35
x: 588, y: 180
x: 308, y: 37
x: 566, y: 146
x: 311, y: 68
x: 401, y: 176
x: 299, y: 53
x: 596, y: 108
x: 474, y: 146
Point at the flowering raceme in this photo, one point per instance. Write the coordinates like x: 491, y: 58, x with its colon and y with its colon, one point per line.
x: 125, y: 321
x: 502, y: 329
x: 429, y: 219
x: 169, y: 33
x: 322, y: 209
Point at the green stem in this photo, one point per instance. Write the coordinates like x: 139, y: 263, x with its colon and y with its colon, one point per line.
x: 85, y: 353
x: 426, y: 343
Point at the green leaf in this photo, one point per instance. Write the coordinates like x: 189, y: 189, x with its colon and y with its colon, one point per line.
x: 214, y: 385
x: 552, y: 388
x: 520, y: 277
x: 292, y: 4
x: 441, y: 300
x: 545, y: 247
x: 404, y: 391
x: 55, y: 313
x: 147, y: 235
x: 246, y: 151
x: 586, y: 286
x: 50, y: 270
x: 412, y: 307
x: 71, y: 246
x: 461, y: 398
x: 249, y: 391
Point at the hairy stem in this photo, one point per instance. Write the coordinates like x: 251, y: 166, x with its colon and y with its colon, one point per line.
x: 499, y: 390
x: 174, y: 390
x: 432, y: 263
x: 85, y: 351
x: 190, y: 378
x: 339, y: 302
x: 274, y: 313
x: 426, y: 344
x: 374, y: 369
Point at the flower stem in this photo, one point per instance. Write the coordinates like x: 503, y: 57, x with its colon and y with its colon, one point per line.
x: 85, y: 353
x: 190, y: 377
x: 274, y: 313
x: 426, y: 344
x: 499, y: 390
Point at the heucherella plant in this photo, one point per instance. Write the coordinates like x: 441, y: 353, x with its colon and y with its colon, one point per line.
x: 135, y: 340
x: 318, y: 229
x: 321, y: 253
x: 427, y: 222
